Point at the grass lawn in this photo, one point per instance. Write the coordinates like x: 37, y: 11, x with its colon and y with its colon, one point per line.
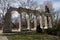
x: 35, y: 36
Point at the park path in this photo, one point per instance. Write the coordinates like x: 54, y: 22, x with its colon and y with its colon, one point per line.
x: 2, y: 37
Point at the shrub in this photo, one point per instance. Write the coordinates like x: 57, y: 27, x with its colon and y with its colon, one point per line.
x: 39, y: 30
x: 58, y: 29
x: 50, y: 31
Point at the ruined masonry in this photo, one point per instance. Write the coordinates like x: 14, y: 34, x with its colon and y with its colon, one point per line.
x: 45, y: 20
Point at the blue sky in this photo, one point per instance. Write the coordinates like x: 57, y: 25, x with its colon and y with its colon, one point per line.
x: 56, y: 3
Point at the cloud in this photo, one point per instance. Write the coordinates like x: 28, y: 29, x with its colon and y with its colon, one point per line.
x: 56, y: 5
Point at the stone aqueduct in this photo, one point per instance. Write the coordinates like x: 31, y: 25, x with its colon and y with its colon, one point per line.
x: 44, y: 15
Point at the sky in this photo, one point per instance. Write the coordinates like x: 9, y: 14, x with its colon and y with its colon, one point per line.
x: 56, y: 3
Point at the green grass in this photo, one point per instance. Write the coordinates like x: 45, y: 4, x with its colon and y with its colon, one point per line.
x: 32, y: 37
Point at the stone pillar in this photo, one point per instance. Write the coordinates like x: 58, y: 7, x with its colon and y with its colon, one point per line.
x: 50, y: 22
x: 19, y: 19
x: 28, y: 21
x: 35, y: 22
x: 45, y: 18
x: 7, y: 23
x: 41, y: 26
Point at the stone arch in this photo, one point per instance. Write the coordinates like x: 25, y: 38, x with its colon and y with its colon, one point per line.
x: 7, y: 20
x: 23, y: 20
x: 31, y: 20
x: 14, y: 19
